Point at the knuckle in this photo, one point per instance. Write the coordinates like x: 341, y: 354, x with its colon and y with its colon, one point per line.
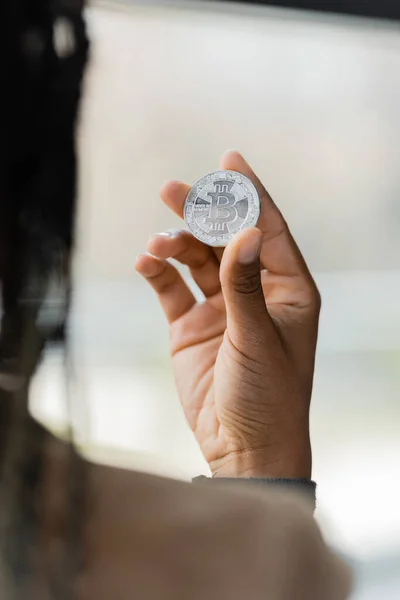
x: 312, y: 297
x: 316, y: 299
x: 247, y: 283
x: 195, y: 261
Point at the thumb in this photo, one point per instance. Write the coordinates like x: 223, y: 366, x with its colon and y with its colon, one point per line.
x: 247, y: 317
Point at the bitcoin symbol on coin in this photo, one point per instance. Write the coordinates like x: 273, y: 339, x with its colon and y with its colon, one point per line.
x: 219, y: 205
x: 222, y: 210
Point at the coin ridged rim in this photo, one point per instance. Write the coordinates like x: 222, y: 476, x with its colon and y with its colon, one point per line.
x: 220, y: 241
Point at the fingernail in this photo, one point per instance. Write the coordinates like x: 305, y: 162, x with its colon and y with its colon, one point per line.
x: 138, y: 258
x: 166, y: 234
x: 143, y: 255
x: 250, y: 249
x: 148, y: 269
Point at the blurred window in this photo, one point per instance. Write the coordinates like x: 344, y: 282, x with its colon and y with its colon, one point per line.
x: 313, y: 102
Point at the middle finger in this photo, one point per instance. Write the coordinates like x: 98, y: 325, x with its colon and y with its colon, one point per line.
x: 185, y: 248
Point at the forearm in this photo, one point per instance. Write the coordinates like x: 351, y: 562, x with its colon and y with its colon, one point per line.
x: 286, y: 469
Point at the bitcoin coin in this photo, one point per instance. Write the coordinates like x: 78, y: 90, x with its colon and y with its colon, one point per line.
x: 219, y: 205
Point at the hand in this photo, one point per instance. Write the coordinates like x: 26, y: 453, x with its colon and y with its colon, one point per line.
x: 243, y: 359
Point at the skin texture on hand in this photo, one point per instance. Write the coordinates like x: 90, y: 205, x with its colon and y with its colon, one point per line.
x: 244, y: 358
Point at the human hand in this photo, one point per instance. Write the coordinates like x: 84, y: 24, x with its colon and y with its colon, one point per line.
x: 243, y: 359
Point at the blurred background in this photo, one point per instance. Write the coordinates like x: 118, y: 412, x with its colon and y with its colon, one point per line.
x: 313, y: 103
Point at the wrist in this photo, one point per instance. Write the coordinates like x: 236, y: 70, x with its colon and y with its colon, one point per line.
x: 260, y: 463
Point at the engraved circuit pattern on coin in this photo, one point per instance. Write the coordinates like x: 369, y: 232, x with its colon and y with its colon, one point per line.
x: 219, y: 205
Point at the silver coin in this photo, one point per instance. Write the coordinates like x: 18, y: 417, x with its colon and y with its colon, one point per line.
x: 219, y: 205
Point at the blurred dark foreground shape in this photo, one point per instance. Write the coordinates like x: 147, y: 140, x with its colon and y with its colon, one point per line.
x: 69, y: 529
x: 45, y: 51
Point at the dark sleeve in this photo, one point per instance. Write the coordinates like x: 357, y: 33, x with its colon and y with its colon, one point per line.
x: 305, y: 487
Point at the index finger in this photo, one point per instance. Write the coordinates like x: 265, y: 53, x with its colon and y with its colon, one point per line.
x: 173, y: 194
x: 279, y: 253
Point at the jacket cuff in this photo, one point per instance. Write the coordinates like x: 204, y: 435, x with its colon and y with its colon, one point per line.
x: 305, y: 487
